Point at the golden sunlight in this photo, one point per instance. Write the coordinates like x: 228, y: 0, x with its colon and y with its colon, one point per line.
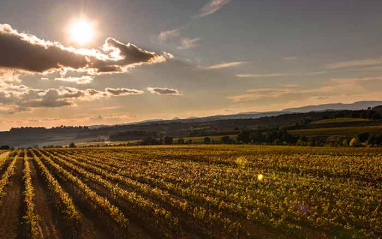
x: 81, y: 31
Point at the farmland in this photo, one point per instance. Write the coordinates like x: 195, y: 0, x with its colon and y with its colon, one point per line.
x: 215, y: 191
x: 343, y: 131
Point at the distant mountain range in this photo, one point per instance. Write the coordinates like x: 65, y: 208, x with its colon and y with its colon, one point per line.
x: 337, y: 106
x: 359, y: 105
x: 194, y: 126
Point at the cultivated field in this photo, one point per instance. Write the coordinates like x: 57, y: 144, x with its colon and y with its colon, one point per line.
x: 192, y: 192
x: 342, y: 131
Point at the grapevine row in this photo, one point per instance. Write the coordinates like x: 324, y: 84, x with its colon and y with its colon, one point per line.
x: 101, y: 203
x: 63, y: 201
x: 165, y: 222
x: 31, y: 217
x: 7, y: 175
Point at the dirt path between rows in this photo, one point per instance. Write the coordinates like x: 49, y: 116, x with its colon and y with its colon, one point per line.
x: 11, y: 208
x: 48, y: 223
x: 92, y: 227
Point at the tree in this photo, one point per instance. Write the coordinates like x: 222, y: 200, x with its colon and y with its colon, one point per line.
x: 72, y: 145
x: 226, y: 140
x: 207, y: 140
x: 180, y: 141
x: 345, y: 142
x: 363, y: 137
x: 244, y: 136
x: 375, y: 139
x: 168, y: 140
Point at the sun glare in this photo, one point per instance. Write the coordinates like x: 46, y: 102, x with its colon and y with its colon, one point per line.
x: 81, y: 32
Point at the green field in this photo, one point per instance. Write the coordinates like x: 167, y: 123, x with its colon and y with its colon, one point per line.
x: 341, y: 131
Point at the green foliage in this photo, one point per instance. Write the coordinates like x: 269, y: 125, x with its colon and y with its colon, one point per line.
x: 267, y: 136
x: 232, y: 191
x: 207, y: 140
x: 180, y: 141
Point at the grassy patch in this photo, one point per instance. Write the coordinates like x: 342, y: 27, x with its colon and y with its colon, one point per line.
x: 345, y: 131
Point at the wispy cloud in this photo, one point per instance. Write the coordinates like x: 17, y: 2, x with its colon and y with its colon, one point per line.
x: 278, y: 92
x: 262, y: 75
x: 212, y: 7
x: 314, y: 73
x: 188, y: 43
x: 77, y: 80
x: 108, y: 108
x: 357, y: 63
x: 168, y: 34
x: 356, y: 80
x: 163, y: 91
x: 225, y: 65
x: 359, y: 88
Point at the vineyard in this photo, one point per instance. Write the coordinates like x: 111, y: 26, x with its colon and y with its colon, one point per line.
x: 230, y: 191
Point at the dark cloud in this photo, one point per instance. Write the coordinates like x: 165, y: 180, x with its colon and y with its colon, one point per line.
x: 163, y: 91
x: 27, y: 52
x: 123, y: 91
x: 21, y: 98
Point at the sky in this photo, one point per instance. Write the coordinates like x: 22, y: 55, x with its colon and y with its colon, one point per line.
x: 161, y: 59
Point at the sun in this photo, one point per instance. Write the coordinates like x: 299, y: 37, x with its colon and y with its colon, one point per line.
x: 81, y: 31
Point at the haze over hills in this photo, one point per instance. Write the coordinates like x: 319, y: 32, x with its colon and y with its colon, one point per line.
x: 211, y: 125
x: 359, y: 105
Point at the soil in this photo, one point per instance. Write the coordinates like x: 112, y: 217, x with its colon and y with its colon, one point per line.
x: 11, y: 210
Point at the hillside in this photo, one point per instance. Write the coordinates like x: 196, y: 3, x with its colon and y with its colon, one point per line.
x: 297, y: 123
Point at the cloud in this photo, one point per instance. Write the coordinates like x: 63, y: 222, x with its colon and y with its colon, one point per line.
x: 123, y: 91
x: 27, y: 52
x: 358, y: 88
x: 112, y: 117
x: 212, y: 7
x: 77, y: 80
x: 357, y: 63
x: 163, y: 91
x: 282, y: 93
x: 316, y: 73
x: 225, y: 65
x: 108, y: 108
x: 261, y: 75
x: 165, y: 35
x: 16, y: 97
x: 356, y: 80
x: 9, y: 76
x: 187, y: 43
